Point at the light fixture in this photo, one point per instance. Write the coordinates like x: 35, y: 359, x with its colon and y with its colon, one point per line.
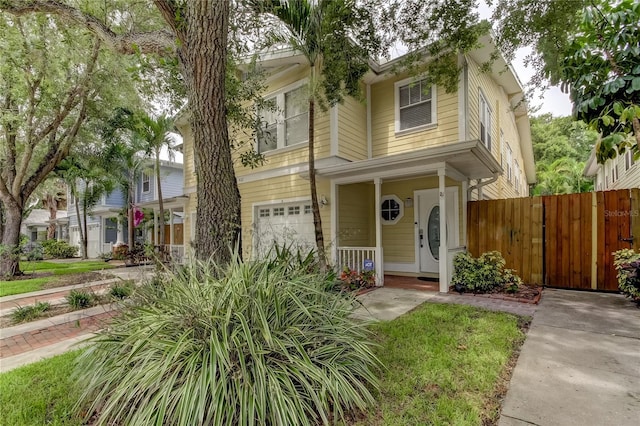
x: 323, y: 200
x: 408, y: 202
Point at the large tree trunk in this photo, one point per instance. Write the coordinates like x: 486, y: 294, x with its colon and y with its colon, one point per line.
x: 130, y: 230
x: 52, y: 206
x: 315, y: 208
x: 203, y: 59
x: 9, y: 251
x: 160, y: 203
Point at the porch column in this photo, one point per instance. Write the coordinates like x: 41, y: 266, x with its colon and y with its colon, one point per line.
x: 378, y: 210
x: 443, y: 264
x: 334, y: 224
x: 465, y: 199
x: 155, y: 228
x: 171, y: 228
x: 119, y: 233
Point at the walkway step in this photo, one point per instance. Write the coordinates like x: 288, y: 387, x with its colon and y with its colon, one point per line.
x: 30, y: 336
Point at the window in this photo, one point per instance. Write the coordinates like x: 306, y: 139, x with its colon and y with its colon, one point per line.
x: 278, y: 211
x: 294, y: 210
x: 285, y: 120
x: 391, y: 209
x: 503, y: 154
x: 145, y: 182
x: 509, y: 163
x: 516, y: 174
x: 485, y: 122
x: 307, y: 209
x: 628, y: 160
x: 415, y: 105
x: 264, y: 213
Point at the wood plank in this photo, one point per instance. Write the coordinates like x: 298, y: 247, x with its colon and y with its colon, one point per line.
x: 575, y: 239
x: 635, y: 217
x: 565, y: 245
x: 601, y: 237
x: 586, y: 243
x: 526, y: 239
x: 537, y: 238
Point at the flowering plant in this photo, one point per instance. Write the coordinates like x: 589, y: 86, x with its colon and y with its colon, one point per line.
x: 354, y: 280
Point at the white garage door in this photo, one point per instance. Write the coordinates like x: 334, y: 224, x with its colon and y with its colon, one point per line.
x: 283, y: 224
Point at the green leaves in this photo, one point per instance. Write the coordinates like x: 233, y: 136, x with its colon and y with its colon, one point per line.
x: 251, y: 343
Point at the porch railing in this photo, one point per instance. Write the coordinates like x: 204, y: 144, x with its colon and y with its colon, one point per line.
x: 354, y: 259
x: 177, y: 253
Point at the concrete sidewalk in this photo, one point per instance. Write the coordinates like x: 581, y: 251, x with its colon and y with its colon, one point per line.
x: 580, y: 364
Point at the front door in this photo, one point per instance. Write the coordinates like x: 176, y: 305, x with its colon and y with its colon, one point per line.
x: 428, y: 221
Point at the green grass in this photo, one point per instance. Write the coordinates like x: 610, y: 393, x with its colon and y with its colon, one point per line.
x: 444, y: 364
x: 40, y: 393
x: 11, y: 287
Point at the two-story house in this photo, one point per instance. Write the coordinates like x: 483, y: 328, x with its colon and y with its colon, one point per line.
x: 394, y: 173
x: 107, y: 227
x: 619, y: 173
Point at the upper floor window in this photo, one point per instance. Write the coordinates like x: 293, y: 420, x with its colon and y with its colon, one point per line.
x: 516, y: 175
x: 485, y: 122
x: 509, y: 161
x: 415, y: 105
x: 628, y: 160
x: 146, y: 183
x: 285, y: 120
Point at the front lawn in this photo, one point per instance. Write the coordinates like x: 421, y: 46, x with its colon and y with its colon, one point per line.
x: 446, y: 364
x: 48, y: 274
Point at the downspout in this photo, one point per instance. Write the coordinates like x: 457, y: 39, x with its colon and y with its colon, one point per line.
x: 481, y: 183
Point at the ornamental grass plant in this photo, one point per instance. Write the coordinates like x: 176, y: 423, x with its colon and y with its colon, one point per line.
x: 252, y: 343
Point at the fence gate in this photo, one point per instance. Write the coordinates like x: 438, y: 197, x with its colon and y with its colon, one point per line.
x: 563, y: 241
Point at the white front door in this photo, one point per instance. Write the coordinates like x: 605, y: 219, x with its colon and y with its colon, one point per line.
x: 428, y: 220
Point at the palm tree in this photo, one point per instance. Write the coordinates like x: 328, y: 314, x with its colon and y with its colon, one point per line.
x: 155, y: 134
x: 337, y: 50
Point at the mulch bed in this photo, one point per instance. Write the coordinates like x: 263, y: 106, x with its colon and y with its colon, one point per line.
x: 525, y: 294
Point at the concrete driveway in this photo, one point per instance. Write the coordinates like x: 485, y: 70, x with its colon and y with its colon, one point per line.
x: 580, y: 364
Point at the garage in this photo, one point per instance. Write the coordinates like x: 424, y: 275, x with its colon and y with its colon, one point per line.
x: 283, y: 223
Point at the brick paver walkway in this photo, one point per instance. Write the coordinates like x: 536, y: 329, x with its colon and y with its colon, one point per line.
x: 35, y: 339
x: 517, y: 308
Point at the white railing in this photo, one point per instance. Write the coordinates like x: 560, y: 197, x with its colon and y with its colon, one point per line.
x: 355, y: 257
x: 177, y: 253
x: 107, y: 247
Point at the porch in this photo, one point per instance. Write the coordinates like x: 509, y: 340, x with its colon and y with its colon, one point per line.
x: 404, y: 216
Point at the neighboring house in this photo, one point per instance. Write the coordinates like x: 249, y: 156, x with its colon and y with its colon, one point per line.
x: 106, y: 223
x: 394, y: 172
x: 620, y: 173
x: 36, y: 224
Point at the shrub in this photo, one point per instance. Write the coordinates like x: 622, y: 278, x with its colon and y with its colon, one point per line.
x: 485, y: 274
x: 80, y: 299
x: 29, y: 312
x: 627, y: 263
x: 121, y: 290
x: 253, y: 343
x: 35, y: 253
x: 354, y: 280
x: 58, y: 249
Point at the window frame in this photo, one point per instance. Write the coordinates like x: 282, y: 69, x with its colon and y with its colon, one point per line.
x: 488, y: 125
x: 395, y: 198
x: 281, y: 119
x: 434, y: 106
x: 509, y: 162
x: 147, y: 182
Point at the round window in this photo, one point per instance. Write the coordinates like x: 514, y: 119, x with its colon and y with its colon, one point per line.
x: 391, y: 209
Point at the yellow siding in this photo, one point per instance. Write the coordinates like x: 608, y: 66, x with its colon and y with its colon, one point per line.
x: 502, y: 119
x: 188, y: 160
x: 352, y: 130
x: 398, y: 241
x: 281, y: 188
x: 384, y: 139
x: 356, y: 220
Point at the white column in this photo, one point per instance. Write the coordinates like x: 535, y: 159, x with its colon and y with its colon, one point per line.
x: 444, y: 247
x: 465, y: 199
x: 334, y: 224
x: 379, y: 258
x: 171, y: 227
x: 155, y: 228
x: 119, y: 234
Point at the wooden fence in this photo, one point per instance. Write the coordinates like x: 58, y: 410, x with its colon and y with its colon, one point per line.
x: 561, y: 241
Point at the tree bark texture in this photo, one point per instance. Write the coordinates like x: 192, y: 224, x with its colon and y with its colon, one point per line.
x: 203, y: 59
x: 315, y: 207
x: 52, y: 206
x: 9, y: 251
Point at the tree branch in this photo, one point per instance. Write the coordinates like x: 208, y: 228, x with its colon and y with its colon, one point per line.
x: 160, y: 42
x: 169, y: 11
